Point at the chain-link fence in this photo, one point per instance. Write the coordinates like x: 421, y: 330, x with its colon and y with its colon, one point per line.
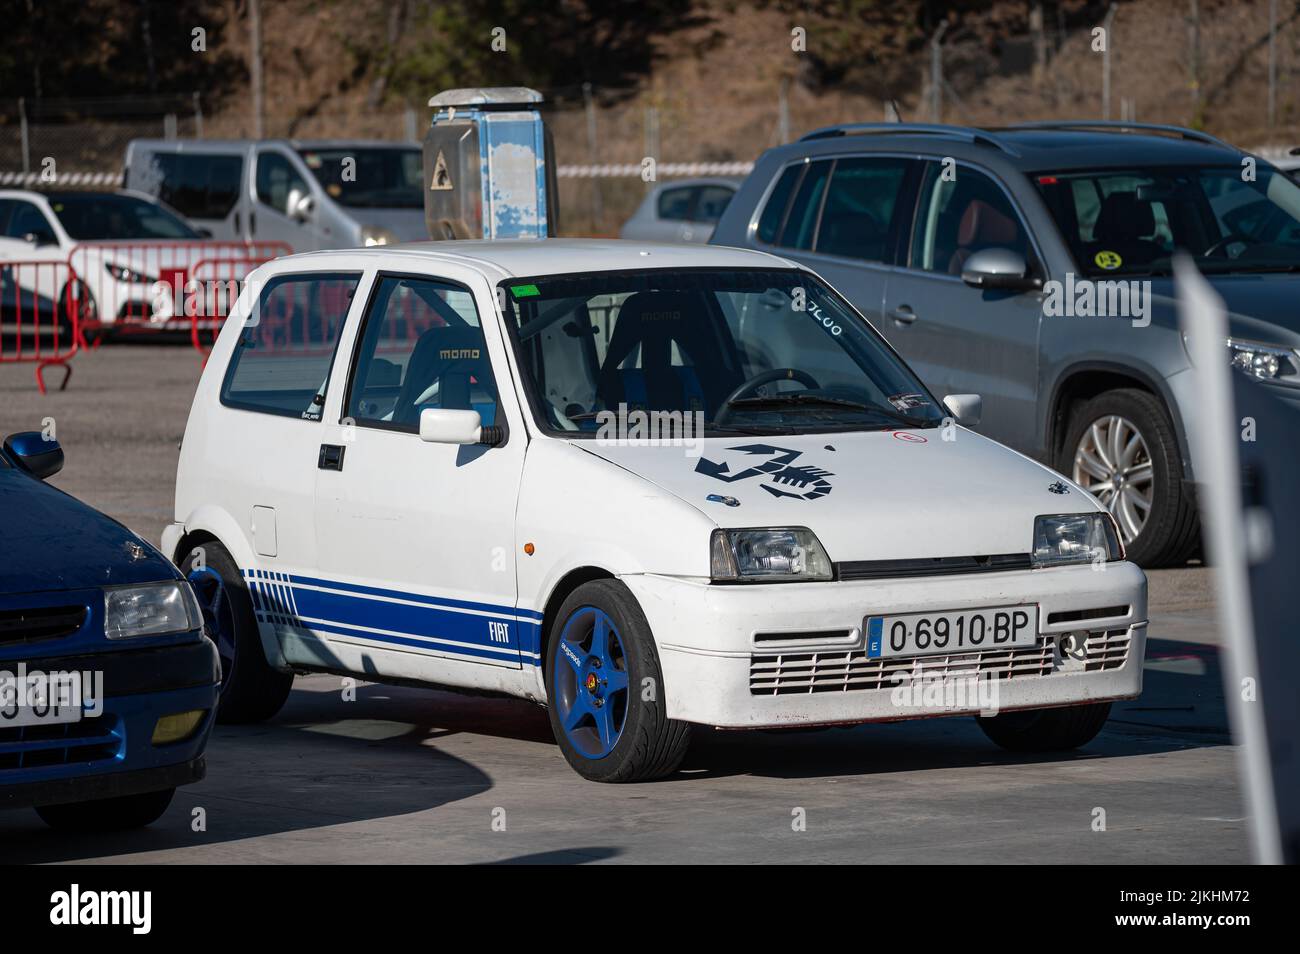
x: 1230, y: 68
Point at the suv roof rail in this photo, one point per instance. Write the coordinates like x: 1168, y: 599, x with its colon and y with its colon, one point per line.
x: 964, y: 133
x: 1120, y: 125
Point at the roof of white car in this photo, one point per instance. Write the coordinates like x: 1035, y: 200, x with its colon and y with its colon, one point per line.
x: 524, y: 257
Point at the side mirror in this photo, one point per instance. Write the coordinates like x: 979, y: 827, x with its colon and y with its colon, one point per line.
x: 33, y: 452
x: 203, y: 233
x: 40, y: 238
x: 450, y: 426
x: 300, y: 205
x: 966, y: 408
x: 996, y: 268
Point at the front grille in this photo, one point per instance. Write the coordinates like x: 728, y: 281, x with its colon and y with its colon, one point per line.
x: 931, y: 566
x: 1106, y: 649
x: 810, y: 636
x: 793, y: 673
x: 35, y: 746
x: 1076, y: 616
x: 33, y: 625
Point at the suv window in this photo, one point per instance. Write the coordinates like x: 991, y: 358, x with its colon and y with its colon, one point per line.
x: 421, y: 346
x: 857, y: 221
x: 277, y: 180
x: 801, y: 224
x: 774, y: 212
x: 197, y: 186
x: 959, y: 215
x: 675, y: 204
x: 281, y: 363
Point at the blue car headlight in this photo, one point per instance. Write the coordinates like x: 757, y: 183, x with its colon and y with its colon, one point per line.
x: 1076, y: 538
x: 153, y: 609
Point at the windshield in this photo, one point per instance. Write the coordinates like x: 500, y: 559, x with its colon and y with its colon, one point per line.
x: 1230, y: 218
x: 375, y: 178
x: 743, y: 351
x: 104, y: 217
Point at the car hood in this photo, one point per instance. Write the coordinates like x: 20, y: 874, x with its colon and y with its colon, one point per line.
x: 52, y: 541
x: 867, y: 495
x: 1254, y: 302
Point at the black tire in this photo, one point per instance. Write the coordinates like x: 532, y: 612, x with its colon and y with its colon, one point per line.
x: 649, y: 745
x: 253, y: 690
x: 108, y: 814
x: 1171, y: 534
x: 1046, y: 730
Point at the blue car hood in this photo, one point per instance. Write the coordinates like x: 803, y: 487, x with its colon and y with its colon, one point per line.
x: 52, y: 541
x: 1254, y: 301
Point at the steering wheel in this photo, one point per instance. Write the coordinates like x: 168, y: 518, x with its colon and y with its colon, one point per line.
x: 760, y: 379
x: 1221, y: 244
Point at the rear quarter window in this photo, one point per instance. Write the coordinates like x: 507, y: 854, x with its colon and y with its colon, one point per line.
x: 281, y: 362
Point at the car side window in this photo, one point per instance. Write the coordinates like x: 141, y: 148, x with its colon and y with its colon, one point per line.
x: 857, y: 221
x: 961, y: 212
x: 675, y: 204
x: 711, y: 202
x: 281, y: 362
x: 801, y: 224
x: 27, y: 218
x: 421, y: 346
x: 196, y: 185
x: 278, y: 181
x: 774, y: 212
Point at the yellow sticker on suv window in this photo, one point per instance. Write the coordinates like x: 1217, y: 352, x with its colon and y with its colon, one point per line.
x: 1108, y: 260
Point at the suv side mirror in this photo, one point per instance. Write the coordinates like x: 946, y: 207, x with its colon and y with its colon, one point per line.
x: 966, y: 408
x: 996, y: 268
x: 450, y: 426
x: 35, y: 453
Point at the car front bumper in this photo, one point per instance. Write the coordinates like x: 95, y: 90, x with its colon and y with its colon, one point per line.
x: 718, y: 671
x: 112, y: 753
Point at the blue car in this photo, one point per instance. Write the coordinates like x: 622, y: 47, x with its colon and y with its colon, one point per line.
x: 108, y: 683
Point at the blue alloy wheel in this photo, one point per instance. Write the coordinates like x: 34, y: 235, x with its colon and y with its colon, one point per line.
x: 591, y: 682
x: 218, y: 616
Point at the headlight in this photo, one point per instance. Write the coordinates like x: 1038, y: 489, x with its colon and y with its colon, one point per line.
x: 154, y: 609
x: 1075, y: 538
x: 1268, y: 362
x: 376, y: 235
x: 777, y: 555
x: 124, y: 274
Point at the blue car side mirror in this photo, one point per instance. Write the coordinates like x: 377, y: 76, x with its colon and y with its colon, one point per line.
x: 35, y: 453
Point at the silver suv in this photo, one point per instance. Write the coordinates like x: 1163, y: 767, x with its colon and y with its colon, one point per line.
x: 1032, y: 265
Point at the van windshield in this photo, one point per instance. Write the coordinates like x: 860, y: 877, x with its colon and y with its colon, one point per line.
x: 388, y: 177
x: 741, y: 350
x: 1231, y: 219
x: 98, y: 217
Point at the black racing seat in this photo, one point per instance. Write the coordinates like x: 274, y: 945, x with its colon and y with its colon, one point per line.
x: 455, y: 358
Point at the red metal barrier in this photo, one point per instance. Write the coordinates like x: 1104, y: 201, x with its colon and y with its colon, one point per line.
x: 40, y: 308
x: 141, y: 286
x: 215, y: 283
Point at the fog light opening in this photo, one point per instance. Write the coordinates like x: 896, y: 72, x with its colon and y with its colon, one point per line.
x: 178, y: 726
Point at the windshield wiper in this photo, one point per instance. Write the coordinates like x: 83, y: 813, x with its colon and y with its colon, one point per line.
x: 822, y: 400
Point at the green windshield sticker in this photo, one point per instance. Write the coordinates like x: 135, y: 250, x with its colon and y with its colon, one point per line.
x: 525, y: 291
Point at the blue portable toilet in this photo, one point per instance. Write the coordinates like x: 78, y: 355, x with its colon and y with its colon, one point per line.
x: 489, y: 164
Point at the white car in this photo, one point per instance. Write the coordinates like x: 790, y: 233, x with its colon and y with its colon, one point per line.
x: 119, y: 245
x: 643, y: 485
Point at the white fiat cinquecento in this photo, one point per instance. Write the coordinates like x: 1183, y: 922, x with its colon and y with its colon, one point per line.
x: 644, y: 485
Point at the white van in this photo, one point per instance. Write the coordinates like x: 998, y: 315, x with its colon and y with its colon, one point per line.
x: 643, y: 485
x: 310, y: 194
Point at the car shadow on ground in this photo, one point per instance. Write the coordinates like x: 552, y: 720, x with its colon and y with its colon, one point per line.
x: 326, y: 761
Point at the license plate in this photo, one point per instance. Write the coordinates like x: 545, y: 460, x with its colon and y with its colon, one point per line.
x: 962, y: 631
x: 50, y: 714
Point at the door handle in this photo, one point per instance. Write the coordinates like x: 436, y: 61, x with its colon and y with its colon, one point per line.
x: 237, y: 235
x: 331, y: 457
x: 252, y: 223
x: 903, y: 314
